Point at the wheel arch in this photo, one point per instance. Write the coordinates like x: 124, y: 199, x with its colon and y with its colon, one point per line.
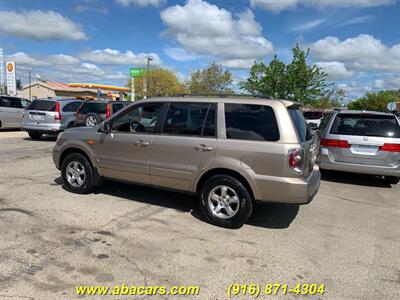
x: 224, y: 171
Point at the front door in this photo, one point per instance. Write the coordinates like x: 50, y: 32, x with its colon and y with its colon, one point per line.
x: 185, y: 147
x: 124, y: 153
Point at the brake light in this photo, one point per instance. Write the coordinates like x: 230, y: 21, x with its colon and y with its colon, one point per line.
x: 296, y: 160
x: 57, y: 115
x: 335, y: 143
x: 108, y: 110
x: 390, y: 147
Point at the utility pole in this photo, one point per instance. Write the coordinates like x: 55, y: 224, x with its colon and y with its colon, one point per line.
x: 30, y: 94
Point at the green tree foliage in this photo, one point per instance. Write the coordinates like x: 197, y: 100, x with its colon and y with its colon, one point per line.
x: 160, y: 82
x: 332, y: 99
x: 211, y: 80
x: 295, y: 81
x: 19, y: 84
x: 375, y: 101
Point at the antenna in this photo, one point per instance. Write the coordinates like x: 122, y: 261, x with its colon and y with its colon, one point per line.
x: 1, y: 71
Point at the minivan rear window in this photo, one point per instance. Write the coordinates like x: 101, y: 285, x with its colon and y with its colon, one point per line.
x: 44, y: 105
x: 366, y: 125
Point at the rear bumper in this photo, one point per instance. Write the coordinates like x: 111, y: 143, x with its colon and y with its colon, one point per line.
x: 327, y: 163
x: 288, y: 189
x: 51, y: 128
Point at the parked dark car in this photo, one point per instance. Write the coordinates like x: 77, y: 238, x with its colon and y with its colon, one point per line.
x: 92, y: 113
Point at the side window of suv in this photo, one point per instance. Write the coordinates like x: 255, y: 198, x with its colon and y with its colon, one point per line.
x: 251, y: 122
x: 72, y: 107
x: 141, y: 119
x: 187, y: 119
x: 12, y: 102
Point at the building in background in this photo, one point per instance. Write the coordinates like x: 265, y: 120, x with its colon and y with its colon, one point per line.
x: 50, y: 89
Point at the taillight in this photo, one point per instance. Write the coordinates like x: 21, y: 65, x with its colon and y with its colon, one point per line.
x: 57, y: 115
x: 334, y: 143
x: 108, y: 110
x: 296, y: 160
x: 390, y: 147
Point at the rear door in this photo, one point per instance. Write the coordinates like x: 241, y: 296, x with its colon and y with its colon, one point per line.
x: 365, y: 134
x: 185, y: 146
x: 40, y: 112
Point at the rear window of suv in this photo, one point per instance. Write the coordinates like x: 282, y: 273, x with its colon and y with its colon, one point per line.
x: 251, y: 122
x: 366, y: 125
x: 44, y: 105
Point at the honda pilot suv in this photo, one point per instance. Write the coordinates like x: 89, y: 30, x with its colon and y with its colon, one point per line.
x: 232, y: 152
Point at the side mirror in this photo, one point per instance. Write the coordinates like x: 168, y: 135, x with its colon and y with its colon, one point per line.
x: 104, y: 127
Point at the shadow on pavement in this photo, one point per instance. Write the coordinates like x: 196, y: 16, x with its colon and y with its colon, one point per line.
x: 354, y: 179
x: 274, y: 216
x: 44, y: 138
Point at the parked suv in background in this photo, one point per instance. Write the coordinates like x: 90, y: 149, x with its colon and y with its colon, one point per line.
x: 92, y: 113
x: 361, y: 142
x: 231, y: 152
x: 313, y: 118
x: 11, y: 111
x: 49, y: 116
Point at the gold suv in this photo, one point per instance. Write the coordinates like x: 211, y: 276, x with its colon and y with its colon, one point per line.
x: 232, y: 152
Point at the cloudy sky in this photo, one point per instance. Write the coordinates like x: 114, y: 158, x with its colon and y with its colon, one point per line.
x: 357, y: 42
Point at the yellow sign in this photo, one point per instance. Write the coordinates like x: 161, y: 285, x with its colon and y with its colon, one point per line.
x: 10, y: 67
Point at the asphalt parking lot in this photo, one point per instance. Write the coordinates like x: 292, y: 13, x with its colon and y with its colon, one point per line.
x: 51, y: 240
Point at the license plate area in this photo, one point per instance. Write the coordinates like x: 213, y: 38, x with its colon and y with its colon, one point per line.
x: 364, y: 149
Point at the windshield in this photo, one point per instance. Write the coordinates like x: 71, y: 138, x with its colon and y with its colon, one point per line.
x: 366, y: 125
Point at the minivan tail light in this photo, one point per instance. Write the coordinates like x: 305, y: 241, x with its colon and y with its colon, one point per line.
x: 57, y: 115
x: 108, y: 110
x: 390, y: 147
x: 335, y: 143
x: 296, y: 160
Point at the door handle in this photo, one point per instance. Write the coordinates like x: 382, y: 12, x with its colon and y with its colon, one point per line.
x: 141, y: 143
x: 203, y: 148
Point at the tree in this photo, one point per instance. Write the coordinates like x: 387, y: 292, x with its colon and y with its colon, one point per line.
x: 332, y: 99
x: 19, y: 84
x: 295, y: 81
x: 211, y: 80
x: 375, y: 101
x: 160, y: 82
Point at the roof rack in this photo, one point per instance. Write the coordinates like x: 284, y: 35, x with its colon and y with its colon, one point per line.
x: 224, y: 95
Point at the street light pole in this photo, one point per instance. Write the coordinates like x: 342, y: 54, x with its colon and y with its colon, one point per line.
x: 30, y: 95
x: 145, y: 78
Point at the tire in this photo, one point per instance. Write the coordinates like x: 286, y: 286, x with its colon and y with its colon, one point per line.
x: 75, y: 180
x: 392, y: 179
x: 216, y: 210
x: 35, y: 135
x: 92, y: 120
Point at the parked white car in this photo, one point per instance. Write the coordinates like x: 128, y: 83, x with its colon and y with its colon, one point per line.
x: 11, y: 111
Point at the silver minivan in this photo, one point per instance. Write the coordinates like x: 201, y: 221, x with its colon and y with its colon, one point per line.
x: 11, y: 111
x: 364, y: 142
x: 50, y: 116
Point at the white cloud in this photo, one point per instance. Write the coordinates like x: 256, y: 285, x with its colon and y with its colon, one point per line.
x: 205, y: 29
x: 358, y: 20
x: 335, y: 70
x: 277, y: 6
x: 361, y: 53
x: 24, y: 60
x: 40, y: 25
x: 308, y: 25
x: 62, y: 59
x: 141, y: 3
x: 379, y: 84
x: 393, y: 82
x: 115, y: 57
x: 240, y: 64
x: 180, y: 54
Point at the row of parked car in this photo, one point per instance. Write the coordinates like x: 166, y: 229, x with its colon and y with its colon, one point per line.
x: 52, y: 116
